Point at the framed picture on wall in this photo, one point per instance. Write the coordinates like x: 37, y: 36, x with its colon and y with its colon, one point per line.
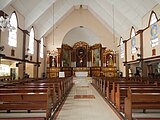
x: 96, y: 55
x: 66, y: 55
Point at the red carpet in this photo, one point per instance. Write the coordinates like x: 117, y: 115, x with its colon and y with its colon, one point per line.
x: 22, y: 118
x: 83, y: 86
x: 84, y: 97
x: 146, y: 118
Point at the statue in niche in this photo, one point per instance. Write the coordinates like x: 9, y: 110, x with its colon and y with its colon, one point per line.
x: 81, y: 54
x: 109, y: 60
x: 54, y: 61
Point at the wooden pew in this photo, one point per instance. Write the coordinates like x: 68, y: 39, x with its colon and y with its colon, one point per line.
x: 104, y: 84
x: 5, y: 78
x: 27, y: 101
x: 121, y: 93
x: 140, y: 101
x: 125, y: 84
x: 111, y: 88
x: 59, y: 88
x: 40, y: 87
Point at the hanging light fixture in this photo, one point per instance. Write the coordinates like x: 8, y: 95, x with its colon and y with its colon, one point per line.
x: 53, y: 22
x: 5, y: 23
x: 113, y: 23
x: 1, y: 47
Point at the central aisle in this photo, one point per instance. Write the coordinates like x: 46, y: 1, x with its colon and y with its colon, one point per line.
x: 85, y: 103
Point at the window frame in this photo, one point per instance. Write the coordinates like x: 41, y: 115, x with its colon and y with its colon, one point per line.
x: 133, y: 40
x: 154, y: 41
x: 12, y: 35
x: 41, y: 48
x: 31, y: 42
x: 121, y: 47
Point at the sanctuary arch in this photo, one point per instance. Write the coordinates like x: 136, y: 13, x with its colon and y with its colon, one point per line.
x: 81, y: 54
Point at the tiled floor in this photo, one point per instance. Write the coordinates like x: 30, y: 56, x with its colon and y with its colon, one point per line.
x: 89, y: 105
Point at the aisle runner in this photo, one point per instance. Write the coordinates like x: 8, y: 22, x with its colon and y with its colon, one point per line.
x: 23, y: 119
x: 146, y: 118
x: 85, y: 103
x: 84, y: 97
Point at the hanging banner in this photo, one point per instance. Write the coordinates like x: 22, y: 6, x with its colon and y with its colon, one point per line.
x: 154, y: 35
x: 133, y: 43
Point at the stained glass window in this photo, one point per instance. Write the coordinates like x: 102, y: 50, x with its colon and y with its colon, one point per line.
x: 12, y: 38
x: 133, y: 40
x: 153, y: 18
x: 121, y: 48
x: 31, y: 42
x: 41, y: 48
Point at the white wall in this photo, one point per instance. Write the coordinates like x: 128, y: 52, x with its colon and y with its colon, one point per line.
x: 80, y: 18
x: 145, y: 19
x: 129, y: 48
x: 81, y: 34
x: 147, y: 52
x: 19, y: 48
x: 4, y: 36
x: 146, y: 39
x: 30, y: 69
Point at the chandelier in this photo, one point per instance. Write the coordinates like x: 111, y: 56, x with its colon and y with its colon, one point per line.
x: 5, y: 24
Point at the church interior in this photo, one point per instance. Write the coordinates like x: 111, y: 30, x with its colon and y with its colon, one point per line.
x: 79, y: 59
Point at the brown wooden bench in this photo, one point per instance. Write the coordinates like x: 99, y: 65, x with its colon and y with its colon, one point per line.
x: 125, y: 84
x: 27, y: 101
x: 111, y: 88
x: 121, y: 93
x: 104, y: 84
x: 61, y: 86
x: 140, y: 101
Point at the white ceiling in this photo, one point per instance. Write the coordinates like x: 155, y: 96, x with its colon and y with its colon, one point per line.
x: 117, y: 14
x: 82, y: 34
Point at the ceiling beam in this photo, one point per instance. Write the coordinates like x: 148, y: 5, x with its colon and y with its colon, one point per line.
x: 158, y: 1
x: 58, y: 16
x: 5, y: 3
x: 37, y: 12
x: 105, y: 17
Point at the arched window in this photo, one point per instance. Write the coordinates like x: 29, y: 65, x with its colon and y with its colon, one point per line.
x: 12, y: 38
x: 31, y: 42
x: 153, y: 18
x: 121, y: 48
x: 133, y: 40
x: 154, y: 29
x: 41, y: 48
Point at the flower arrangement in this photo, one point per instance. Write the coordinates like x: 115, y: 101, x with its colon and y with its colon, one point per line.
x: 52, y: 53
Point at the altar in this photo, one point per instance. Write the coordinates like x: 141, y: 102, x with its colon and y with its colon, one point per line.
x: 81, y: 74
x: 81, y: 71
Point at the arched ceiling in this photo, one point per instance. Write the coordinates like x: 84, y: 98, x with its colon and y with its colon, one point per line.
x: 81, y: 34
x: 119, y: 15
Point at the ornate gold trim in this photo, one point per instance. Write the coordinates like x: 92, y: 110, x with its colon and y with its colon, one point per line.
x: 80, y: 44
x: 66, y: 46
x: 95, y: 46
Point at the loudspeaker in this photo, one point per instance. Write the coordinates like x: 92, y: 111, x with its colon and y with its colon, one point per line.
x: 17, y: 64
x: 26, y: 56
x: 1, y: 48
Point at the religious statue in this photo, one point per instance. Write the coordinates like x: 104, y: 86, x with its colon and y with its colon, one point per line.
x: 110, y: 60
